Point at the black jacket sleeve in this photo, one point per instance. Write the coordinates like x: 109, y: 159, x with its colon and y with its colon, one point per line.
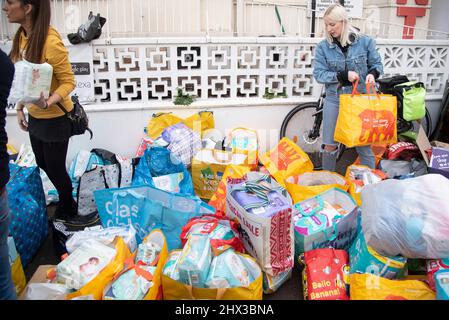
x: 6, y: 78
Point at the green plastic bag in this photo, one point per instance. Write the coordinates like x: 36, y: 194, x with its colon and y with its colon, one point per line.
x: 413, y: 101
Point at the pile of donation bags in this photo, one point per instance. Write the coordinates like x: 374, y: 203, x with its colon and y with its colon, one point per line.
x: 354, y: 236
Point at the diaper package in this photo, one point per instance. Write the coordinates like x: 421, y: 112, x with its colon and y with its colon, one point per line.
x: 364, y: 259
x: 30, y: 80
x: 131, y: 285
x: 171, y: 266
x: 169, y: 182
x: 253, y: 203
x: 84, y: 264
x: 195, y: 260
x: 433, y: 266
x: 148, y: 253
x: 222, y: 232
x: 228, y: 271
x: 442, y: 284
x: 316, y: 216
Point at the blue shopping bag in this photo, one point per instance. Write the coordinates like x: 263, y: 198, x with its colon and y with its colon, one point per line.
x: 147, y: 208
x: 158, y: 161
x: 28, y: 210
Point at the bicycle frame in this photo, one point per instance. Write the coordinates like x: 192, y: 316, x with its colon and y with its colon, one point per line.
x: 315, y: 132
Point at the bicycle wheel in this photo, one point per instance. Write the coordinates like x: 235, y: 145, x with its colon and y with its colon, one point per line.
x: 297, y: 125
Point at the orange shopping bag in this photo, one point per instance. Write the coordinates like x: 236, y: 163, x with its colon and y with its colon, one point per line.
x: 366, y: 119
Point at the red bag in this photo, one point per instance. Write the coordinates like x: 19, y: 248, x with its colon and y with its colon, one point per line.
x: 209, y: 223
x: 326, y: 274
x: 403, y: 150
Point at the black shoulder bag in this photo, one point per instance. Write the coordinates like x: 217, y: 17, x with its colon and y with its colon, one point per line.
x: 78, y: 118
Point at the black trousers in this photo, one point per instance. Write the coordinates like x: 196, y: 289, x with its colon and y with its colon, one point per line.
x: 51, y: 157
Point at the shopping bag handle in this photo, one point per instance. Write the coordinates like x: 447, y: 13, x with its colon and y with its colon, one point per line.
x: 219, y: 296
x: 354, y: 88
x: 314, y: 211
x: 334, y: 229
x: 371, y: 87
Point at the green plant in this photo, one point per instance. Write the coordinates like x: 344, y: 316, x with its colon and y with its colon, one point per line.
x: 183, y: 98
x: 271, y: 95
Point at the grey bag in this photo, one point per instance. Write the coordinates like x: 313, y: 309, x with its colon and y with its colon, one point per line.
x: 403, y: 169
x: 117, y: 175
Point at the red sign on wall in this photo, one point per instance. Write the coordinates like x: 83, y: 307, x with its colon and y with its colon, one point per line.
x: 410, y: 14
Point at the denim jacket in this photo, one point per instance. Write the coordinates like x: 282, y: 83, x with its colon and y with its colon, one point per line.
x: 362, y: 57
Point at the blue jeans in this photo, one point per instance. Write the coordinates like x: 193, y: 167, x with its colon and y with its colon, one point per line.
x: 330, y: 115
x: 7, y: 290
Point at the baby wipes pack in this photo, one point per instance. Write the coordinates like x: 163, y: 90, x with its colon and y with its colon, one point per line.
x: 171, y: 266
x: 84, y: 264
x: 228, y: 271
x: 195, y: 260
x: 30, y: 80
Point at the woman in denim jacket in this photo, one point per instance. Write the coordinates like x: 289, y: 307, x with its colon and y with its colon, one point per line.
x: 342, y: 58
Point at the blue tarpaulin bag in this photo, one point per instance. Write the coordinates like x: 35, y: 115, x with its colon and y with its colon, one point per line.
x: 28, y: 210
x: 147, y: 208
x: 158, y: 161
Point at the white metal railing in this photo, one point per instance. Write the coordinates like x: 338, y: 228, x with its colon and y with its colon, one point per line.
x: 161, y: 18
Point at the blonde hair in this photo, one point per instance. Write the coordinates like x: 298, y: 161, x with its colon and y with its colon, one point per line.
x: 337, y: 13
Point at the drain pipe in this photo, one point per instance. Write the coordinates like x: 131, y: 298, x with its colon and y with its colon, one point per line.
x: 312, y: 32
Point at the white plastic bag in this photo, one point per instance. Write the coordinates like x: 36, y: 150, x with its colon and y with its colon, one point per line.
x: 408, y: 217
x: 105, y: 236
x: 30, y: 80
x: 46, y: 291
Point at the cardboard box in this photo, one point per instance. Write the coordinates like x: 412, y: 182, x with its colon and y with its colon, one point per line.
x: 439, y: 162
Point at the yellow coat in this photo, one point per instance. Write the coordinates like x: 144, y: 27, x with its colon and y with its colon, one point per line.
x: 63, y: 81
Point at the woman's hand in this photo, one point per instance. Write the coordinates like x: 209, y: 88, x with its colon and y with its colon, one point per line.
x: 370, y: 79
x: 21, y: 119
x: 353, y: 76
x: 42, y: 102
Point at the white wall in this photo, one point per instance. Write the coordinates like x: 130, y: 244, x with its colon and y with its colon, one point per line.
x: 121, y: 131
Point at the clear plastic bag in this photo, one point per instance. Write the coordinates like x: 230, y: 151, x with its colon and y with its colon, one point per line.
x: 408, y: 217
x: 105, y: 236
x: 46, y: 291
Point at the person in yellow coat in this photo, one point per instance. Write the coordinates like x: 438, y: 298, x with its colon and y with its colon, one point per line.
x: 342, y: 58
x: 49, y: 129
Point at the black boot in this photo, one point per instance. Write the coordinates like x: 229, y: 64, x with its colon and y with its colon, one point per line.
x: 66, y: 212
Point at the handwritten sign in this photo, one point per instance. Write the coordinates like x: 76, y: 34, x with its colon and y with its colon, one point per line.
x: 440, y: 159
